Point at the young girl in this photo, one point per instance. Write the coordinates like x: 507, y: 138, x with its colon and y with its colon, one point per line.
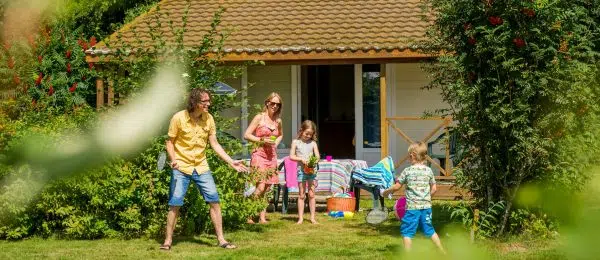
x: 302, y: 148
x: 265, y: 129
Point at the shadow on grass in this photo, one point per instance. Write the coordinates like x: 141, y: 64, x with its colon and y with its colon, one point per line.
x: 210, y: 239
x: 391, y: 226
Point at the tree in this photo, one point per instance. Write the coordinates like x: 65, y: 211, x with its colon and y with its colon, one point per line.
x: 518, y: 76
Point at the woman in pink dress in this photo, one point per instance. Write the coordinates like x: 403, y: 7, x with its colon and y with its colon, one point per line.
x: 265, y: 129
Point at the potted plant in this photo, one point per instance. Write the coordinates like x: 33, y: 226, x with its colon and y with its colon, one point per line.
x: 309, y: 168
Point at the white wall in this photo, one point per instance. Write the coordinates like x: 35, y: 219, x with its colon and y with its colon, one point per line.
x: 233, y: 112
x: 263, y: 80
x: 412, y: 100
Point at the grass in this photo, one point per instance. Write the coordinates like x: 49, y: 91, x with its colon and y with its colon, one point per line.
x: 282, y: 239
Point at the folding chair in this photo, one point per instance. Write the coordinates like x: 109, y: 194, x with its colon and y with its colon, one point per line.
x: 290, y: 182
x: 373, y: 179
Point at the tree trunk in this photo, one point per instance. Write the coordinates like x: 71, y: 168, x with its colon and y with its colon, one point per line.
x: 507, y: 210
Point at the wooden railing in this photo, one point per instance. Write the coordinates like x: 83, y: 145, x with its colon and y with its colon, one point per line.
x: 445, y: 173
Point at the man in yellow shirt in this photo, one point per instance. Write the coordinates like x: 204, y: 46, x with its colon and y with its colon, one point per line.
x: 190, y: 131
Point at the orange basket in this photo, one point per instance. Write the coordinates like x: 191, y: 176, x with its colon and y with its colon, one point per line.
x: 341, y: 204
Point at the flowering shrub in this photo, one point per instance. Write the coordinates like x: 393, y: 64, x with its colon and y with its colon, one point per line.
x: 522, y: 83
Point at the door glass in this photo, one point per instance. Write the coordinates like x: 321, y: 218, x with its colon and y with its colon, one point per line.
x: 371, y: 109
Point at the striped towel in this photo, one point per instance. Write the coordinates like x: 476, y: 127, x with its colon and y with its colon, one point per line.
x: 381, y: 174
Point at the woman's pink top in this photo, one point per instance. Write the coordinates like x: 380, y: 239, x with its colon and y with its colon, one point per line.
x: 265, y: 156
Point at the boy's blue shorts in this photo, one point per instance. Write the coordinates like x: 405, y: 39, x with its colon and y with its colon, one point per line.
x: 414, y: 218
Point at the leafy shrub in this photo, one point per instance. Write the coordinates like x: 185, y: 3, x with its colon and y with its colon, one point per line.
x: 520, y: 78
x: 488, y: 219
x: 529, y: 225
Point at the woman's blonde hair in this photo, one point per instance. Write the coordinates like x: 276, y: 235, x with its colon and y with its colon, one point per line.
x: 268, y: 99
x: 307, y: 124
x: 418, y: 151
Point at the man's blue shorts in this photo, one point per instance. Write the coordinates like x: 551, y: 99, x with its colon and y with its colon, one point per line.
x: 181, y: 181
x: 414, y: 218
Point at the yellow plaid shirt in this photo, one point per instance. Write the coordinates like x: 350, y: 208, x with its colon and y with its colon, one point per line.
x: 191, y: 141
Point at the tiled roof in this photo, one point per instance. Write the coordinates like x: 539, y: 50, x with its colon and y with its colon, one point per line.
x: 293, y: 26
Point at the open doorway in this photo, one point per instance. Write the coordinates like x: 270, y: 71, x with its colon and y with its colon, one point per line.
x: 327, y: 96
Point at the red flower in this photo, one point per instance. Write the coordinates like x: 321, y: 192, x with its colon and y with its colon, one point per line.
x: 40, y: 58
x: 11, y: 62
x: 471, y: 41
x: 68, y: 54
x: 73, y: 87
x: 467, y: 26
x: 519, y: 42
x: 68, y: 67
x: 38, y: 81
x: 83, y: 44
x: 91, y: 66
x: 50, y: 91
x: 495, y: 20
x: 6, y: 46
x: 93, y: 41
x: 16, y: 79
x: 83, y: 78
x: 528, y: 12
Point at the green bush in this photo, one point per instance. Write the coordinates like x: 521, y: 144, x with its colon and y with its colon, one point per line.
x: 520, y: 79
x: 529, y: 225
x: 125, y: 198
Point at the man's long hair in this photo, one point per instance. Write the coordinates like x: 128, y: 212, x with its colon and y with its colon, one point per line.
x: 195, y: 98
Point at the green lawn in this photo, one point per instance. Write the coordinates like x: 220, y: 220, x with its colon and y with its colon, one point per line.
x: 282, y: 239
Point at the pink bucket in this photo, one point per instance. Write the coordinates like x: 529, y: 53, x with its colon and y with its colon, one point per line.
x: 400, y: 208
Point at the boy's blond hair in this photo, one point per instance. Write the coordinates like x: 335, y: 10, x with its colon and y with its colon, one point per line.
x: 419, y: 151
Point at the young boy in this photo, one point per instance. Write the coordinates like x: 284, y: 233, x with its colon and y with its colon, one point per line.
x: 420, y: 185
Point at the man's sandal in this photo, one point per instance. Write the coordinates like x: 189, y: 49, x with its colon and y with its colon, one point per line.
x: 228, y: 245
x: 165, y: 247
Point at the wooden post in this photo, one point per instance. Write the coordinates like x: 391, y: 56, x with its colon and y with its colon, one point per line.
x: 383, y: 111
x: 111, y: 93
x: 99, y: 93
x: 474, y: 226
x: 447, y: 166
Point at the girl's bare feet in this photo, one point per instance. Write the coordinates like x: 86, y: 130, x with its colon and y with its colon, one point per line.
x: 250, y: 221
x: 314, y: 221
x: 299, y: 221
x: 263, y: 222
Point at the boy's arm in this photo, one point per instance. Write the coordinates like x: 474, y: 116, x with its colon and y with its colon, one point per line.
x: 433, y: 188
x: 392, y: 189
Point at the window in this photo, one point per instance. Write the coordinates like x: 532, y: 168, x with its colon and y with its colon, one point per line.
x: 371, y: 109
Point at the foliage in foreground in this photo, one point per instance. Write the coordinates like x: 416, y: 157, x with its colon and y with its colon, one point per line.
x: 127, y: 197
